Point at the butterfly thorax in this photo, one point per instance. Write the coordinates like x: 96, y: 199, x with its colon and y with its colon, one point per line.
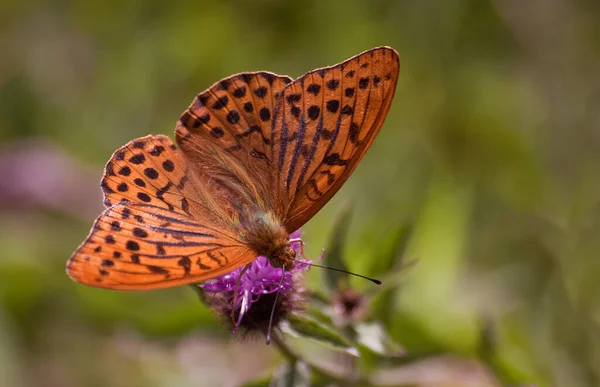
x: 267, y: 236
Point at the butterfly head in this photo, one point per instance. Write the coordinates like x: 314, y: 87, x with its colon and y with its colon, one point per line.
x: 284, y: 257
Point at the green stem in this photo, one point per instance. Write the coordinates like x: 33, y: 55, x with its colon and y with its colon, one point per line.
x: 292, y: 357
x: 283, y: 348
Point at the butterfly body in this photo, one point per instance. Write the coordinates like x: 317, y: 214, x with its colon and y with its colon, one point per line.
x: 267, y: 236
x: 255, y: 157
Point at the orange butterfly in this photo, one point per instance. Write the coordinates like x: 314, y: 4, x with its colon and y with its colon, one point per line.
x: 258, y: 155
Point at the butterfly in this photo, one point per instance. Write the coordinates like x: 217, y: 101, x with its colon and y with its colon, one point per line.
x: 257, y: 155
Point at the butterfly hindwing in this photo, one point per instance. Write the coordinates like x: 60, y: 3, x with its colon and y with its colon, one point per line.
x: 158, y: 230
x: 325, y: 122
x: 135, y: 246
x: 148, y: 170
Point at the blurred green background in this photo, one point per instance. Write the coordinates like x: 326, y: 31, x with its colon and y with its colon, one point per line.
x: 491, y: 150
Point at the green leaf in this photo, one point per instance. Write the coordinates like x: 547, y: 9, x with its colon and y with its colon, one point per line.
x: 291, y: 375
x: 398, y: 251
x: 442, y: 370
x: 395, y: 268
x: 335, y: 250
x: 319, y: 311
x: 388, y: 260
x: 262, y: 381
x: 374, y: 337
x: 303, y: 326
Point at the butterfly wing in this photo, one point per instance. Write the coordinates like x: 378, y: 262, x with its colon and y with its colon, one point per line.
x: 157, y: 232
x: 249, y: 143
x: 236, y: 113
x: 296, y: 142
x: 148, y: 170
x: 226, y: 136
x: 324, y: 123
x: 135, y: 246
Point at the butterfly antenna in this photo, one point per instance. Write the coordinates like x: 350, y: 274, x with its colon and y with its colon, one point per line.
x: 270, y: 327
x: 305, y: 262
x: 375, y: 281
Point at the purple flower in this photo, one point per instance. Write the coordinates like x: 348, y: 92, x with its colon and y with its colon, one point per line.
x: 257, y: 291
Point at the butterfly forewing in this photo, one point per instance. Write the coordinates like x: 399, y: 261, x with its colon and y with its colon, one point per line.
x: 325, y: 122
x: 138, y: 246
x: 236, y: 113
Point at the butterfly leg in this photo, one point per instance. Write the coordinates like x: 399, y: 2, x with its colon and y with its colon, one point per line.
x: 274, y: 306
x: 298, y: 240
x: 235, y: 293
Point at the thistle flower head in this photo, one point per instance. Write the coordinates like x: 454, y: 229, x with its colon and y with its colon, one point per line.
x: 251, y: 300
x: 349, y: 306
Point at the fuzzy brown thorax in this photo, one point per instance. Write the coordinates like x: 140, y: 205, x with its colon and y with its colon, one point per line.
x: 266, y: 235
